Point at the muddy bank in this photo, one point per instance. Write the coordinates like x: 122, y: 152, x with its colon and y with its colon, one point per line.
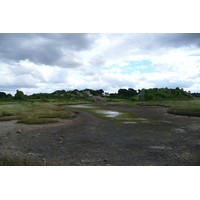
x: 89, y: 140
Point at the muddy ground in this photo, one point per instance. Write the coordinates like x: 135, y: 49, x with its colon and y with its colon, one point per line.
x: 168, y: 140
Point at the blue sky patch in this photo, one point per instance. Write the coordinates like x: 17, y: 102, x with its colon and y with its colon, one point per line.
x: 195, y: 54
x: 143, y: 66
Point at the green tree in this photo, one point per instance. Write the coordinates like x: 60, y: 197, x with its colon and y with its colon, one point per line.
x: 19, y: 95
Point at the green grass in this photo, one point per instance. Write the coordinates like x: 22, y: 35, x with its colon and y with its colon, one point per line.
x: 9, y: 160
x: 25, y: 160
x: 36, y: 120
x: 34, y: 112
x: 178, y: 107
x: 187, y: 109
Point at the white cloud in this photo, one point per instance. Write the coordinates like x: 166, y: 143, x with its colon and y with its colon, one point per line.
x: 100, y: 61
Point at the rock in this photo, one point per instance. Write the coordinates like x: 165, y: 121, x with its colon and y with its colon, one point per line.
x: 38, y: 135
x: 19, y: 131
x: 31, y: 154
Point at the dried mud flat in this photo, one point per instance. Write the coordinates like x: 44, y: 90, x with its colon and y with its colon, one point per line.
x: 167, y: 140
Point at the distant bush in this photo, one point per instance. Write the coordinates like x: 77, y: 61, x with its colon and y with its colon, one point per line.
x: 19, y: 95
x: 159, y: 94
x: 5, y: 97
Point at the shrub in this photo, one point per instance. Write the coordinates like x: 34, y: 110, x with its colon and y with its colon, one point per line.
x: 19, y: 95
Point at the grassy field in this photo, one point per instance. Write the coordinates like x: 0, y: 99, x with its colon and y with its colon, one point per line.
x: 40, y: 111
x: 35, y: 112
x: 177, y: 107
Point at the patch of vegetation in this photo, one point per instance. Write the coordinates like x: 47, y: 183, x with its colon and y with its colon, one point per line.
x: 186, y: 110
x: 57, y: 114
x: 8, y: 160
x: 5, y: 113
x: 44, y: 105
x: 40, y: 112
x: 19, y: 95
x: 159, y: 94
x: 36, y: 120
x: 9, y: 118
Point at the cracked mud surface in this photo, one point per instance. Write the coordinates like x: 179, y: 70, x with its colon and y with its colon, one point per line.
x: 168, y: 140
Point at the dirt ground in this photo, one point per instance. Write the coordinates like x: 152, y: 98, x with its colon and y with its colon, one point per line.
x: 168, y: 140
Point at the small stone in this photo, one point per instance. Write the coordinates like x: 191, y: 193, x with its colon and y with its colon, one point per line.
x: 19, y: 131
x: 31, y: 154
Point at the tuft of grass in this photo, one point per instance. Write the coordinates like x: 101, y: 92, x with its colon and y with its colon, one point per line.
x: 9, y: 118
x: 5, y: 113
x: 36, y: 120
x: 57, y: 114
x: 6, y: 160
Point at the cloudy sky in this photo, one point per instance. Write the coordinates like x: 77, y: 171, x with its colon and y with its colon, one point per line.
x: 46, y: 62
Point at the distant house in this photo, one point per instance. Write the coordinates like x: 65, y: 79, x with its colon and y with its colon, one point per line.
x: 98, y: 98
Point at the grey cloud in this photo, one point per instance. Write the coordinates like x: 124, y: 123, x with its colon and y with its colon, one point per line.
x: 43, y: 48
x: 177, y: 39
x: 151, y: 43
x: 98, y: 60
x: 48, y: 48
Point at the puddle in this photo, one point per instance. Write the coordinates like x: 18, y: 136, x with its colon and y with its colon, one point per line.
x: 109, y: 113
x: 130, y: 122
x: 81, y: 106
x: 120, y: 116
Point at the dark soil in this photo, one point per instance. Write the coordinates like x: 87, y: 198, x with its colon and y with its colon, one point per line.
x: 168, y: 140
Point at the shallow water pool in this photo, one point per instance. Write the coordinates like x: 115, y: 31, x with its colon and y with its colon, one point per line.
x: 120, y: 116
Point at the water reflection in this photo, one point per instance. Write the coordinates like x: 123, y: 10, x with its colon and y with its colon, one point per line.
x: 109, y: 113
x: 132, y: 122
x: 81, y: 106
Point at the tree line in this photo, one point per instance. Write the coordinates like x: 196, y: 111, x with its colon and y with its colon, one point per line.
x: 130, y: 93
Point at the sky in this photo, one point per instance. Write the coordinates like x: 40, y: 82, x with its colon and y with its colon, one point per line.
x: 34, y: 62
